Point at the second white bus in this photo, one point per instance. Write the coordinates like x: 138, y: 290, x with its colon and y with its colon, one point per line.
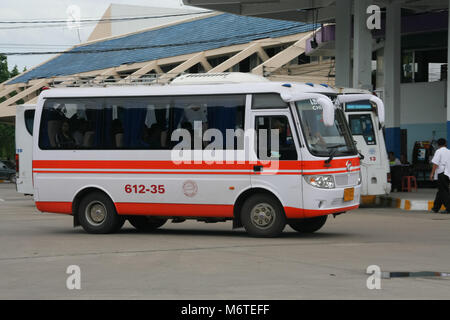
x: 24, y: 148
x: 366, y: 120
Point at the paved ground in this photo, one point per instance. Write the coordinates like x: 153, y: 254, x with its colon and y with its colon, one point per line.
x: 194, y: 260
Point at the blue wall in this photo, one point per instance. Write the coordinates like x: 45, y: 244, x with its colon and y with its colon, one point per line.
x: 392, y: 139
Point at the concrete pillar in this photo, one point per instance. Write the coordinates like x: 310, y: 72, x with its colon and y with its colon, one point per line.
x: 392, y: 68
x: 448, y: 83
x: 380, y: 69
x: 362, y: 47
x: 343, y: 43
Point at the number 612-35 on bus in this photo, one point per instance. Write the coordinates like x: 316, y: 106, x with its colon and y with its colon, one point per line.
x: 145, y: 189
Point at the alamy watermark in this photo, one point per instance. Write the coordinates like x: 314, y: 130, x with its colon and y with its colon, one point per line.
x: 73, y: 281
x: 212, y: 147
x: 374, y: 20
x: 73, y: 17
x: 373, y: 282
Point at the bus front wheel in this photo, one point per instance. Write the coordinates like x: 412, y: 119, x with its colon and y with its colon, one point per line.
x: 263, y: 216
x: 309, y: 225
x: 146, y: 223
x: 97, y: 214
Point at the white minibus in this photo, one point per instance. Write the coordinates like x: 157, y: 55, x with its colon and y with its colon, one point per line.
x: 206, y: 147
x: 24, y: 148
x: 366, y: 120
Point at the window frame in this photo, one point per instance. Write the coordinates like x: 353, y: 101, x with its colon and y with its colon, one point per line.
x: 290, y: 121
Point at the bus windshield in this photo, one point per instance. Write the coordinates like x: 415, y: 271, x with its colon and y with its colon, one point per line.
x: 322, y: 141
x: 361, y: 125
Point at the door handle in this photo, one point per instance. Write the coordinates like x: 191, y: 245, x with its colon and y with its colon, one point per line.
x: 257, y: 168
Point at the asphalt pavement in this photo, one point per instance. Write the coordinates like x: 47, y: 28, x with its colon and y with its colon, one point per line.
x: 194, y: 260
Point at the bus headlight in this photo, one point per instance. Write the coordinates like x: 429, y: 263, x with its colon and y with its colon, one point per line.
x: 360, y: 178
x: 324, y: 182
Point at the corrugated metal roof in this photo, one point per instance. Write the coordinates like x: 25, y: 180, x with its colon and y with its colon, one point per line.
x: 195, y: 36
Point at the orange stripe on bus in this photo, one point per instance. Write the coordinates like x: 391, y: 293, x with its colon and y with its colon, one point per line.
x: 54, y: 207
x: 168, y: 165
x: 174, y: 209
x: 297, y: 213
x: 155, y: 165
x: 184, y: 210
x: 338, y: 163
x: 172, y: 172
x: 197, y: 172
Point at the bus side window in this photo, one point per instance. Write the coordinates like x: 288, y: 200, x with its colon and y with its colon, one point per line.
x: 214, y: 115
x: 71, y: 124
x: 29, y: 120
x: 138, y: 123
x: 268, y: 128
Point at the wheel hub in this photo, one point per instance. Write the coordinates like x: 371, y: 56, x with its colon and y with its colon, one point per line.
x: 96, y: 213
x: 263, y: 215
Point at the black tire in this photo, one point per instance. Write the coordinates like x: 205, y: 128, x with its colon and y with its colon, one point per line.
x: 146, y: 223
x: 12, y: 178
x: 97, y: 214
x: 263, y: 216
x: 309, y: 225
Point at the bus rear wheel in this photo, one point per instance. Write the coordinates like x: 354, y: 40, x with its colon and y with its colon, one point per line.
x: 98, y: 215
x: 146, y: 223
x: 263, y: 216
x: 309, y: 225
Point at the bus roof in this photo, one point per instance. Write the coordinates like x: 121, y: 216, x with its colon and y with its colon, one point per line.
x: 283, y: 88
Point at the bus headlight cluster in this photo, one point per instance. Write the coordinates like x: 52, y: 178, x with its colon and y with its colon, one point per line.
x: 359, y: 178
x: 322, y: 181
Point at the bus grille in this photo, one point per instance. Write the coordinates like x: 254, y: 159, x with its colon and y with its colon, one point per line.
x: 346, y: 179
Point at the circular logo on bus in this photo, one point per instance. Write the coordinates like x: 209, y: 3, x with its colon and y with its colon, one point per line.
x: 349, y: 165
x: 190, y: 188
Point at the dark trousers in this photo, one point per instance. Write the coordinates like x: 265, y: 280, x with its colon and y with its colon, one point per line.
x: 443, y: 194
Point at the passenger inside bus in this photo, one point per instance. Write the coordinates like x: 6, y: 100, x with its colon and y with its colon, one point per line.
x: 79, y: 134
x: 154, y: 136
x: 64, y: 139
x: 117, y: 133
x: 268, y: 128
x: 315, y: 139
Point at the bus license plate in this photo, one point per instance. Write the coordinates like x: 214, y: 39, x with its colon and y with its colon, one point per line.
x: 349, y: 194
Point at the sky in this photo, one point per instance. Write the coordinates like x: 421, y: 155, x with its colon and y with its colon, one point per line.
x: 53, y: 38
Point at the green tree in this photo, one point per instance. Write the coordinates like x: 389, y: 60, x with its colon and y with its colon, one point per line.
x: 7, y: 141
x: 4, y: 72
x: 14, y: 72
x: 7, y: 137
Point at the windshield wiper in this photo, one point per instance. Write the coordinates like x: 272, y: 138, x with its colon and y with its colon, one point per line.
x: 333, y: 152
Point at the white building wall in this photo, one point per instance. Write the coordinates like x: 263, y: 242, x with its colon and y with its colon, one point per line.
x: 119, y: 28
x: 117, y: 11
x: 423, y: 111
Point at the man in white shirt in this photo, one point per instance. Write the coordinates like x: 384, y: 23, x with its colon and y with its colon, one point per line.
x: 441, y: 173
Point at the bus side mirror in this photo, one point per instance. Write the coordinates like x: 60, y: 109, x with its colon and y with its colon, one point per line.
x: 380, y: 108
x: 328, y: 108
